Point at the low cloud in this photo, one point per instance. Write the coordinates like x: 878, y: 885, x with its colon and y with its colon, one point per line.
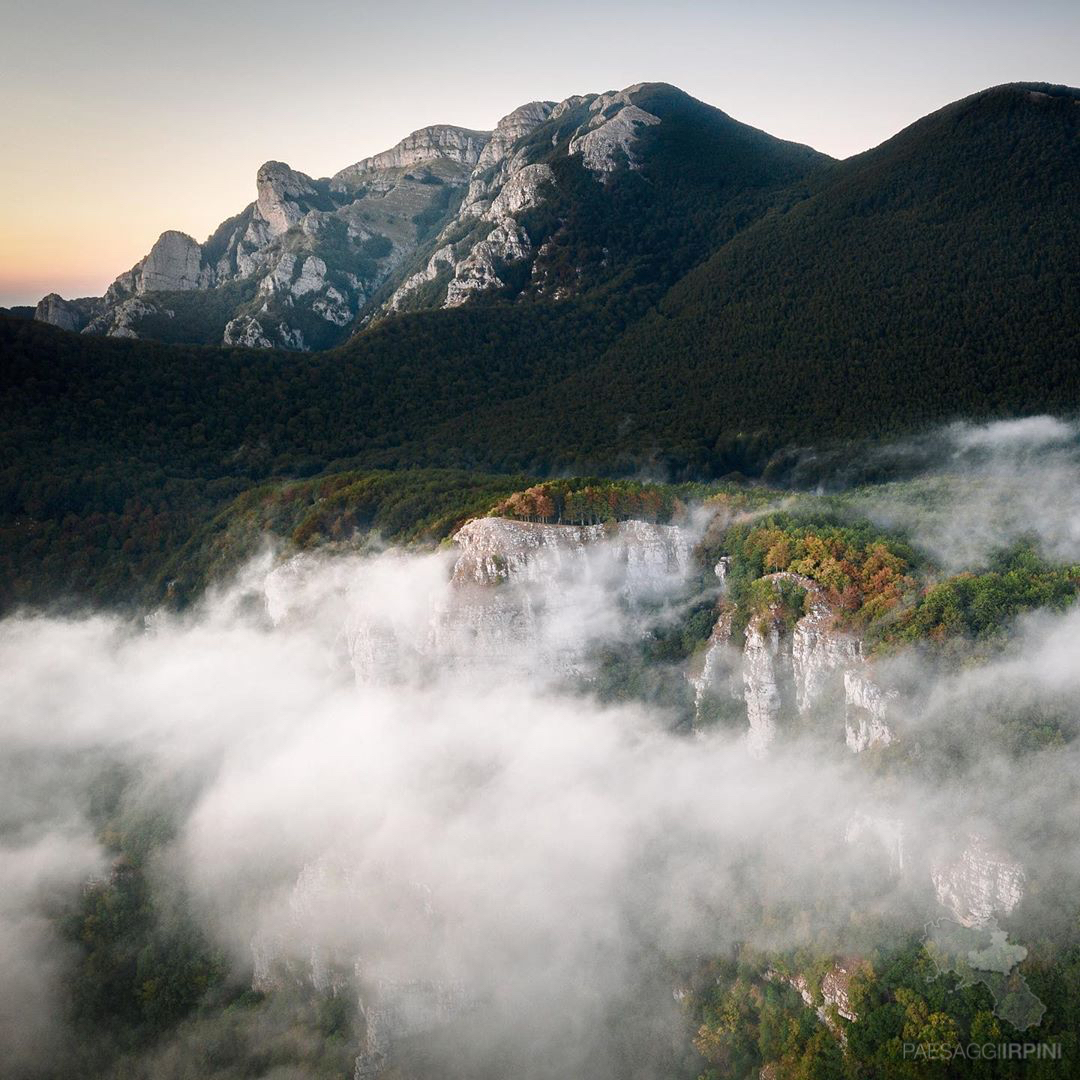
x: 400, y: 774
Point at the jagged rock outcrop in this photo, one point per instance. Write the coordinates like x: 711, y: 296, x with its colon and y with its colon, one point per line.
x: 815, y: 667
x: 313, y: 253
x: 247, y: 331
x: 866, y: 710
x: 175, y: 264
x: 497, y: 549
x: 281, y: 192
x: 512, y: 127
x: 434, y: 221
x: 498, y: 191
x: 439, y: 142
x: 979, y: 885
x: 308, y: 252
x: 121, y: 321
x: 836, y: 988
x: 608, y: 142
x: 834, y: 991
x: 67, y: 314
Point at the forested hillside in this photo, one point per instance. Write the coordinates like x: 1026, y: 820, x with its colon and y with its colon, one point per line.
x: 932, y: 277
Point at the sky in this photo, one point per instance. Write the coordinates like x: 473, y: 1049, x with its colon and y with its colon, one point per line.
x: 124, y: 118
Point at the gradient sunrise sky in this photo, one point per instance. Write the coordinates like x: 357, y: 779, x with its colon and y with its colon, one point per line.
x: 123, y: 119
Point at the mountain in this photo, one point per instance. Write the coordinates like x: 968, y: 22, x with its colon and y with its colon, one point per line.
x: 444, y: 216
x: 715, y: 299
x: 933, y: 276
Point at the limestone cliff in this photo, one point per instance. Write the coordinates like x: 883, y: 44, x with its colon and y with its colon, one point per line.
x: 979, y: 884
x: 812, y: 671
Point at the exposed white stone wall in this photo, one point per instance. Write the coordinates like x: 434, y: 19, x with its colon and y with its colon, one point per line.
x: 979, y: 885
x: 608, y: 143
x: 866, y: 711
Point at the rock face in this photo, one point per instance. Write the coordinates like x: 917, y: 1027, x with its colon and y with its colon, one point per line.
x: 394, y: 1010
x: 298, y: 954
x: 609, y: 141
x: 440, y: 142
x: 813, y: 668
x: 834, y: 991
x: 173, y: 265
x: 67, y: 314
x: 511, y: 128
x: 123, y: 319
x: 718, y: 667
x: 835, y: 987
x: 537, y: 595
x: 500, y: 188
x: 304, y: 258
x: 887, y: 833
x: 495, y: 549
x: 766, y: 668
x: 282, y: 193
x: 980, y: 885
x: 866, y: 708
x: 819, y: 652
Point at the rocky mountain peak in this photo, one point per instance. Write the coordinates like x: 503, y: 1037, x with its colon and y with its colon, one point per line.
x: 434, y: 221
x: 461, y: 146
x: 515, y: 125
x: 279, y: 188
x: 174, y: 264
x: 57, y: 311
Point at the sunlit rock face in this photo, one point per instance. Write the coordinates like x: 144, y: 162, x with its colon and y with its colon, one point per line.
x: 608, y: 140
x: 820, y: 653
x: 980, y: 885
x: 435, y: 143
x: 57, y: 311
x: 174, y: 264
x: 766, y: 668
x: 280, y: 191
x: 309, y: 258
x: 476, y: 265
x: 815, y: 672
